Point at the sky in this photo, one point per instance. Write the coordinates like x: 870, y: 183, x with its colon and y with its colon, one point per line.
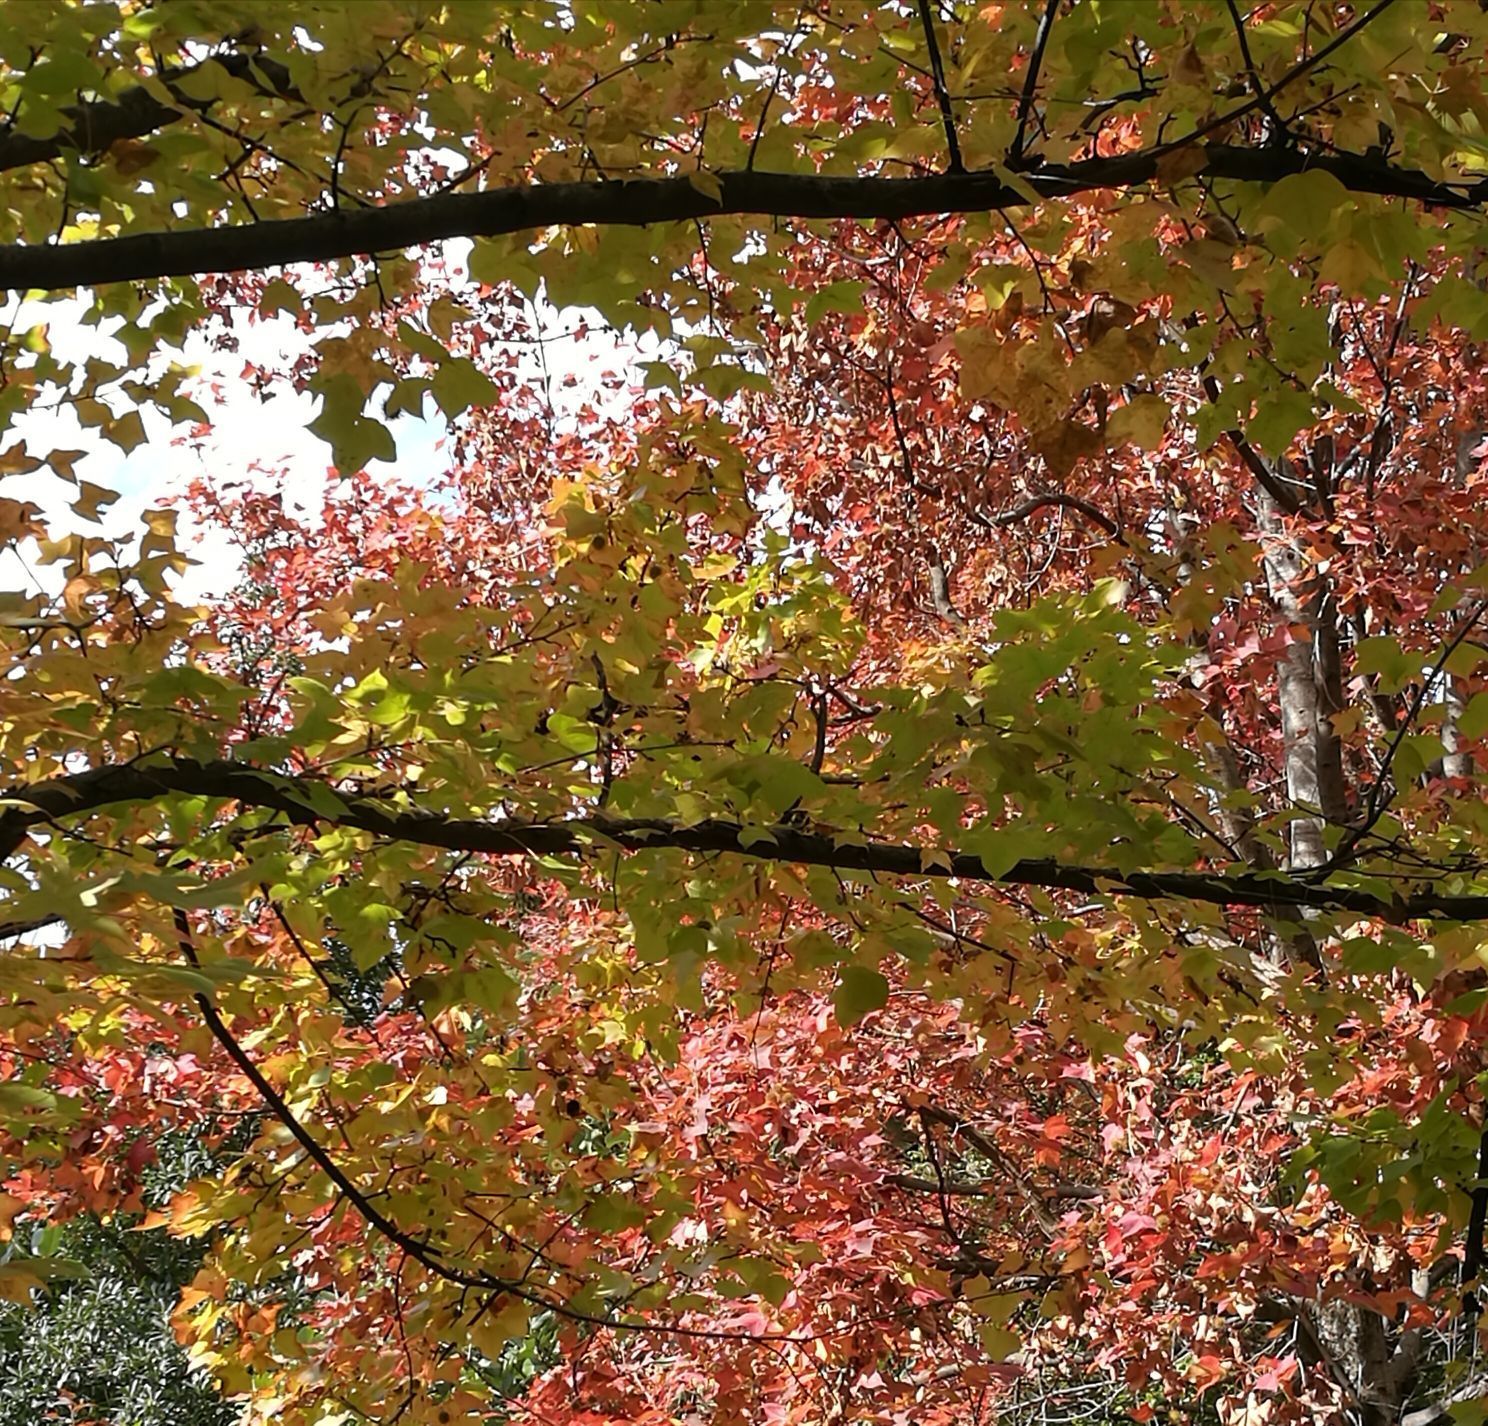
x: 248, y: 434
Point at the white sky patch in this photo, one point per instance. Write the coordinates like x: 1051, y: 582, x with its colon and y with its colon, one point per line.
x: 263, y: 440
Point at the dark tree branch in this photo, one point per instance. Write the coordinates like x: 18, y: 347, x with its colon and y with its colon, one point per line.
x: 637, y: 202
x: 1018, y: 513
x: 1032, y: 506
x: 1265, y: 477
x: 1377, y: 800
x: 1264, y: 97
x: 948, y: 1188
x: 94, y: 127
x: 1030, y: 82
x: 942, y: 92
x: 305, y: 801
x: 1286, y: 500
x: 1280, y: 132
x: 421, y: 1250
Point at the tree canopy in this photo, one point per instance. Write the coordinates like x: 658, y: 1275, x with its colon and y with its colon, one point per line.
x: 912, y: 851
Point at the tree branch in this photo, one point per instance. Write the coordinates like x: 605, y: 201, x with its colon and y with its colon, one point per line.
x: 942, y: 93
x: 304, y: 801
x: 1030, y: 81
x: 95, y: 126
x: 637, y: 202
x: 1441, y: 1410
x: 1280, y: 133
x: 1032, y: 506
x: 421, y: 1250
x: 1264, y: 97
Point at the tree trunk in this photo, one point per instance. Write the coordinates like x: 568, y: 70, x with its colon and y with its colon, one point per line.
x: 1375, y: 1370
x: 1309, y: 689
x: 1375, y: 1364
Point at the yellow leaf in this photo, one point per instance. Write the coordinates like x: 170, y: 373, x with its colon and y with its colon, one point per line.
x: 935, y: 859
x: 1142, y: 421
x: 1352, y: 266
x: 15, y: 461
x: 63, y: 461
x: 126, y: 431
x: 505, y: 1322
x: 93, y: 500
x: 17, y: 1283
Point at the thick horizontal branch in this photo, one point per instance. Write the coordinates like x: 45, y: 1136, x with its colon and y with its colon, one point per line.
x: 309, y: 802
x: 634, y: 202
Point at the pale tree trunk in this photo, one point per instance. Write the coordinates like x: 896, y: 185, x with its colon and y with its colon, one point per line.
x: 1455, y: 762
x: 1376, y: 1365
x: 1236, y: 824
x: 1309, y: 689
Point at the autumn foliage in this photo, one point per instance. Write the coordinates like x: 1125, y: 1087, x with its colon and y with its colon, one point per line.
x: 894, y: 837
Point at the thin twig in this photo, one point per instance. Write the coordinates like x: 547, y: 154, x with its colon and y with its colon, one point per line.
x: 1267, y: 95
x: 786, y: 49
x: 1377, y: 802
x: 942, y: 93
x: 1030, y: 81
x: 1280, y: 132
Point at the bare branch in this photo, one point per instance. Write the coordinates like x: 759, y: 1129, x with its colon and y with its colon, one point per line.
x: 95, y: 126
x: 1059, y: 498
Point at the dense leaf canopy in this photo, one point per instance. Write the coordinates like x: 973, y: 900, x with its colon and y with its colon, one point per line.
x: 911, y: 850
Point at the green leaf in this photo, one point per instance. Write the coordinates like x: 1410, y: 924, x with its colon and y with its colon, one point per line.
x: 762, y: 1277
x: 661, y: 374
x: 355, y: 439
x: 1384, y: 659
x: 460, y: 384
x: 1278, y: 418
x: 324, y: 801
x: 491, y: 990
x: 706, y: 183
x: 846, y: 296
x: 1301, y: 205
x: 15, y: 1096
x: 1474, y: 720
x: 1416, y: 753
x: 1142, y: 421
x: 860, y: 991
x: 280, y: 296
x: 578, y: 735
x: 126, y: 431
x: 54, y: 1269
x: 62, y: 72
x: 611, y: 1213
x: 495, y: 262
